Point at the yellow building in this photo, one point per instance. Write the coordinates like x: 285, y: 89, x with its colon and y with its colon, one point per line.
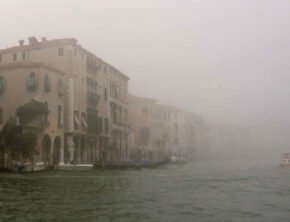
x: 94, y: 101
x: 22, y: 83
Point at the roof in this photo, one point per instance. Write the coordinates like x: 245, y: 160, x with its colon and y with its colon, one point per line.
x: 173, y: 108
x: 44, y: 43
x: 142, y: 99
x: 35, y: 44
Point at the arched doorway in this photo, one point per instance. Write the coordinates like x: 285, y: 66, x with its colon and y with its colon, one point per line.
x: 56, y: 150
x: 46, y: 144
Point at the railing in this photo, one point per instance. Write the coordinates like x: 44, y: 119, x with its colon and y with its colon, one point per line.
x: 120, y: 124
x: 34, y: 123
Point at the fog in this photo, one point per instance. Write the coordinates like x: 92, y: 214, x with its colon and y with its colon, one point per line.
x: 225, y: 60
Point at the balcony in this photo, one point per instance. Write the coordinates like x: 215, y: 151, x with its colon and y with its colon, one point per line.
x: 38, y: 123
x: 93, y: 98
x: 119, y: 123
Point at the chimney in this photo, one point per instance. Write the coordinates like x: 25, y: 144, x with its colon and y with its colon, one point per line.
x: 21, y: 42
x: 32, y: 41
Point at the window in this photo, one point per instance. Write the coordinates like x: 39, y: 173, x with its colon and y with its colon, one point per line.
x: 106, y: 125
x: 23, y: 55
x: 92, y: 86
x: 126, y: 115
x: 14, y: 57
x: 60, y: 51
x: 84, y: 121
x: 111, y: 87
x: 31, y: 83
x: 47, y: 85
x: 76, y: 120
x: 119, y: 115
x: 100, y: 124
x: 2, y: 85
x: 59, y: 116
x: 60, y: 88
x: 105, y: 94
x: 46, y: 113
x: 1, y: 116
x: 92, y: 121
x: 92, y: 89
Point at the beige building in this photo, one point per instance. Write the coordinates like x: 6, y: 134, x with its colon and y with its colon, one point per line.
x: 151, y: 129
x: 180, y: 125
x: 94, y: 105
x: 21, y: 83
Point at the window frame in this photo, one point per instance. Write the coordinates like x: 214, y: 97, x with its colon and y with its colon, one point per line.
x: 60, y: 51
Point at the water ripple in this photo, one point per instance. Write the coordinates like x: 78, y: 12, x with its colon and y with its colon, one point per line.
x: 194, y: 192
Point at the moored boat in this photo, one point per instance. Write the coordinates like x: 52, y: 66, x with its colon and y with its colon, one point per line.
x: 180, y: 160
x: 129, y: 165
x: 75, y: 167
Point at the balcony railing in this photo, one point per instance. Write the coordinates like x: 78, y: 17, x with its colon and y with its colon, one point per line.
x: 120, y: 121
x: 36, y: 123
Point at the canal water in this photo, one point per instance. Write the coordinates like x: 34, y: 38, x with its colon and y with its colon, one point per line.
x: 200, y: 191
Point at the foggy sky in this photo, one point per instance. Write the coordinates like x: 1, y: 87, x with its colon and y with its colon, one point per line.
x: 228, y: 60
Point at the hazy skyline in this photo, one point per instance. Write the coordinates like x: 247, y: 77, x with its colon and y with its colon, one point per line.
x: 226, y: 60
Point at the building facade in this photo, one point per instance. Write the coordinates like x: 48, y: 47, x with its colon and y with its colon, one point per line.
x: 152, y: 129
x: 25, y: 82
x: 160, y: 131
x: 94, y: 102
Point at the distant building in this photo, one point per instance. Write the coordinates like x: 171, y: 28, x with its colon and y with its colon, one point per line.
x: 160, y: 131
x: 142, y: 120
x: 181, y: 133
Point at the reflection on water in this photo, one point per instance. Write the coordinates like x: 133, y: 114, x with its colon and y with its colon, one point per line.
x: 197, y: 191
